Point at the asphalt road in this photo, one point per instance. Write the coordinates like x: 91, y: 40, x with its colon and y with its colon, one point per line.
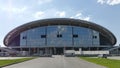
x: 55, y: 62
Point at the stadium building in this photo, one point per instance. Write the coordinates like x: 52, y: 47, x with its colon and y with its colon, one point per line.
x: 54, y: 36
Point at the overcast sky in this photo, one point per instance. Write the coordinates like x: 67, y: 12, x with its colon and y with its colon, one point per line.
x: 14, y: 13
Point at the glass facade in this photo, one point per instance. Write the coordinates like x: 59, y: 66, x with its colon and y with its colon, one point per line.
x: 59, y: 36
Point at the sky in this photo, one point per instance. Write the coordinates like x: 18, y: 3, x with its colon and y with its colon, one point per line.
x: 14, y: 13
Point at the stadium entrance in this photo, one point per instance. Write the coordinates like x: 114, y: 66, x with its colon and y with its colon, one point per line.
x: 57, y: 51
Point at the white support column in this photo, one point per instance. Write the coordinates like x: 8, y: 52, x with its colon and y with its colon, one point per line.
x: 80, y: 50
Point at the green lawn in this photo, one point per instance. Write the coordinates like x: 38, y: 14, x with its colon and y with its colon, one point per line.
x: 13, y: 61
x: 110, y: 63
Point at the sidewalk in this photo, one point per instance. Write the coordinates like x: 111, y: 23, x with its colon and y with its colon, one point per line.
x: 114, y: 57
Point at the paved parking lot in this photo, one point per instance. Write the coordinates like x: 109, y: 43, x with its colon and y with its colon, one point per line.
x: 55, y: 62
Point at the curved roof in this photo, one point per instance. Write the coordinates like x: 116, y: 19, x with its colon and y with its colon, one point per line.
x: 59, y: 21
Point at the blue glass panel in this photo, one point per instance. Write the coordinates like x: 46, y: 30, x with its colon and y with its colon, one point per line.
x: 84, y: 37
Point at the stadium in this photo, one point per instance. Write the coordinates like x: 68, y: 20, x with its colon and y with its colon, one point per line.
x: 57, y: 35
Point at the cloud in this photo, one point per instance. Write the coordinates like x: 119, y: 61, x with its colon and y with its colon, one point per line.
x: 61, y: 13
x: 86, y: 18
x: 81, y: 16
x: 101, y: 1
x: 18, y: 10
x: 49, y: 13
x: 39, y: 14
x: 14, y: 10
x: 12, y: 7
x: 44, y: 1
x: 54, y: 13
x: 109, y: 2
x: 78, y: 14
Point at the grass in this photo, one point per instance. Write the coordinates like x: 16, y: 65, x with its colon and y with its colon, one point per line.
x: 109, y: 63
x: 12, y: 61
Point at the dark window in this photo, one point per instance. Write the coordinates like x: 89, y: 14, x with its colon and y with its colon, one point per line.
x: 94, y: 37
x: 24, y: 37
x: 75, y: 36
x: 59, y: 35
x: 43, y: 36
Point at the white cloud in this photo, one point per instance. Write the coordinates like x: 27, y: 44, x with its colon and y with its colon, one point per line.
x: 39, y: 15
x: 101, y: 1
x: 113, y: 2
x: 109, y: 2
x: 14, y: 10
x: 53, y: 13
x: 44, y: 1
x: 72, y: 17
x: 81, y: 16
x: 61, y: 13
x: 18, y: 10
x: 50, y: 13
x: 86, y: 18
x: 78, y: 14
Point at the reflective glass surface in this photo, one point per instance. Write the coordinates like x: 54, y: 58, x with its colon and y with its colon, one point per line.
x: 59, y: 36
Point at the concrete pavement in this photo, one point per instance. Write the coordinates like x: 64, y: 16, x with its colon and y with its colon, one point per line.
x: 55, y: 62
